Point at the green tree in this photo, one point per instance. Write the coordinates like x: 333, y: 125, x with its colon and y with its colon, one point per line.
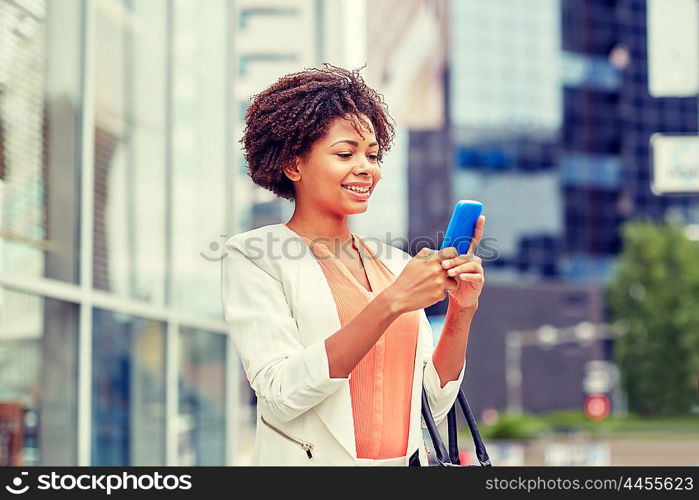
x: 654, y: 298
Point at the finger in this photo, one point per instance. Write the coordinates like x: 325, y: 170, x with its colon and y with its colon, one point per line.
x: 468, y: 267
x: 477, y: 235
x: 461, y: 259
x: 448, y: 253
x: 424, y: 252
x: 473, y: 278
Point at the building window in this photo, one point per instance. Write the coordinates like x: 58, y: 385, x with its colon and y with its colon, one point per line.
x: 128, y: 390
x: 201, y: 407
x: 38, y: 370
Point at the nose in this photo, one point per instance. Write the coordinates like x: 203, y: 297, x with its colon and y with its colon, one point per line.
x: 364, y: 165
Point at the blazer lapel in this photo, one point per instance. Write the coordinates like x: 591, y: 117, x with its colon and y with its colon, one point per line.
x: 315, y: 311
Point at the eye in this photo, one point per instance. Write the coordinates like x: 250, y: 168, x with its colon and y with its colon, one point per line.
x: 374, y: 157
x: 345, y: 155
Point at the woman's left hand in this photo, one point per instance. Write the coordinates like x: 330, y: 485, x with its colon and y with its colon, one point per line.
x: 467, y: 270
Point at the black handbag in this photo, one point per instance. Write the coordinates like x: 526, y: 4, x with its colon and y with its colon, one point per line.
x: 451, y: 457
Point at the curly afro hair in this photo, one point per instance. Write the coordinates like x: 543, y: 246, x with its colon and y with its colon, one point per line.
x: 284, y: 120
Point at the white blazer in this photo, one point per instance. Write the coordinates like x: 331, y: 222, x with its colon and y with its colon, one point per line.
x: 279, y: 310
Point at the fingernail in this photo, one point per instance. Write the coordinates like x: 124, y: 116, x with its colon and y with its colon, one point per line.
x: 463, y: 276
x: 446, y: 263
x: 451, y: 272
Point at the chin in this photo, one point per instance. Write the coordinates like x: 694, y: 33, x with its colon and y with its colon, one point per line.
x: 358, y: 210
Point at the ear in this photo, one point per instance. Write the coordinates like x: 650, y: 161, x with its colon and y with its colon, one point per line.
x: 292, y: 171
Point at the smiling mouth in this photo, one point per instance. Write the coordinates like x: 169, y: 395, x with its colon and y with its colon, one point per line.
x: 357, y: 189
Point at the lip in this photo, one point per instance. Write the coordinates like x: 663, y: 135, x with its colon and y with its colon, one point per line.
x: 356, y: 196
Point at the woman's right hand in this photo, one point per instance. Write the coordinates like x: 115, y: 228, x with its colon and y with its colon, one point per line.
x: 423, y: 281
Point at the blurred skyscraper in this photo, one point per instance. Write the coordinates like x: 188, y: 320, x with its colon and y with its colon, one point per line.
x: 552, y: 119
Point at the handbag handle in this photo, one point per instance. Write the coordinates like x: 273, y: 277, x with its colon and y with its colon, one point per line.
x: 451, y: 457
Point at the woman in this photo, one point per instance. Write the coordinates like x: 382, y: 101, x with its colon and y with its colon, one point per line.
x: 330, y: 328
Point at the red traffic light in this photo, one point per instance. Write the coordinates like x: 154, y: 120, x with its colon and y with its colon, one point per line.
x: 597, y: 406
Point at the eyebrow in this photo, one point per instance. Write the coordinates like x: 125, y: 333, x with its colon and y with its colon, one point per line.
x: 353, y: 143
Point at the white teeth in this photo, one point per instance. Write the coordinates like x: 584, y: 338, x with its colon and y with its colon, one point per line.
x: 356, y: 189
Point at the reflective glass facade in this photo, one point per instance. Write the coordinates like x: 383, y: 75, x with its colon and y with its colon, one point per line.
x: 38, y: 374
x: 201, y: 404
x: 506, y: 61
x: 506, y: 78
x: 130, y: 140
x: 128, y: 390
x: 40, y: 75
x: 114, y: 147
x: 599, y: 115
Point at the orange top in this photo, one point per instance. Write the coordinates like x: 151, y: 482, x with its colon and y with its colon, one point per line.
x: 381, y: 383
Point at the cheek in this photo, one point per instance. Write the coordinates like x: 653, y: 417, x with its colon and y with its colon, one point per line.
x: 327, y: 174
x: 376, y: 175
x: 329, y: 183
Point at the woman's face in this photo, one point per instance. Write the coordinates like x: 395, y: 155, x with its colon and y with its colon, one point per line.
x: 338, y: 162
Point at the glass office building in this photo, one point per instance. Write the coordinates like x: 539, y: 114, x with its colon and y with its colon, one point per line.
x: 114, y: 199
x: 506, y: 116
x: 552, y: 121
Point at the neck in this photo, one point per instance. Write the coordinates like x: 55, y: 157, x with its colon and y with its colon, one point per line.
x: 314, y: 225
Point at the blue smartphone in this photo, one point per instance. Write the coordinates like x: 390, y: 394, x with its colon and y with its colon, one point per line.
x: 462, y: 225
